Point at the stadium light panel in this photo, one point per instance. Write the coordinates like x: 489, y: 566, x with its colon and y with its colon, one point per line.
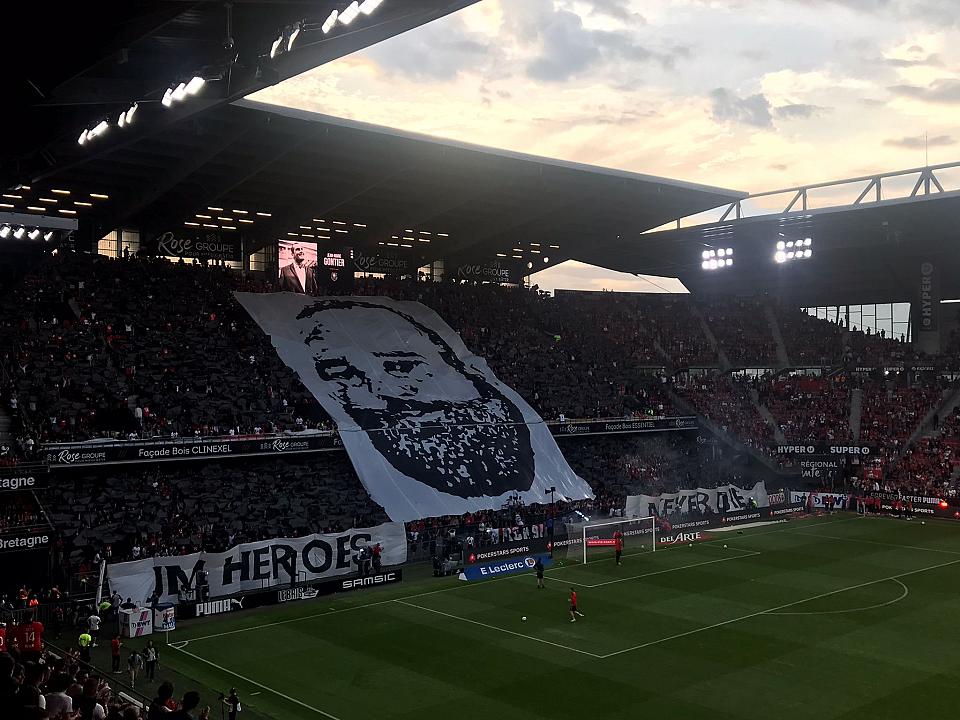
x: 546, y: 259
x: 122, y: 120
x: 195, y: 85
x: 350, y: 13
x: 808, y: 253
x: 59, y: 192
x: 275, y: 47
x: 34, y: 234
x: 705, y: 254
x: 729, y: 262
x: 47, y: 235
x: 131, y: 111
x: 501, y: 254
x: 263, y: 214
x: 99, y: 196
x: 329, y: 22
x: 780, y: 256
x: 18, y: 233
x: 35, y: 208
x: 368, y: 6
x: 100, y: 128
x: 781, y: 245
x: 179, y: 93
x: 293, y: 37
x: 808, y: 242
x: 529, y: 266
x: 167, y: 98
x: 5, y: 231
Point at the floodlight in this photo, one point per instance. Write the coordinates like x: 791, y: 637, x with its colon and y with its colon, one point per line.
x: 18, y: 233
x: 781, y: 245
x: 293, y: 37
x: 34, y: 234
x: 275, y: 47
x: 721, y: 252
x: 195, y: 85
x: 130, y: 111
x: 47, y: 235
x: 368, y: 6
x: 789, y: 243
x: 122, y: 120
x: 546, y: 259
x: 5, y: 231
x: 329, y: 22
x: 807, y: 253
x: 729, y: 251
x: 167, y: 98
x: 780, y: 256
x: 808, y: 242
x: 705, y: 254
x: 729, y: 262
x: 350, y: 13
x: 705, y: 264
x: 529, y: 266
x: 83, y: 138
x: 100, y: 129
x: 180, y: 92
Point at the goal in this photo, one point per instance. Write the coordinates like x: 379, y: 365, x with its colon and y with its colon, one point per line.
x: 638, y: 534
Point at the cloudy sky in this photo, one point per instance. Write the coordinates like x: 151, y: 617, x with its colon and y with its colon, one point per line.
x: 745, y: 94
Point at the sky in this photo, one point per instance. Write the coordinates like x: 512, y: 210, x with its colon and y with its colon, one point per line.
x: 752, y: 95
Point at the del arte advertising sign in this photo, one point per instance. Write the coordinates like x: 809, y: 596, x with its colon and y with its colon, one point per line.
x: 209, y: 245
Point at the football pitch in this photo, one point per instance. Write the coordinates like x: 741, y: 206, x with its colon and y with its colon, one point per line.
x: 829, y: 617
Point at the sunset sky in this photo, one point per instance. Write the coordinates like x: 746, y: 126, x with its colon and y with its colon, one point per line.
x: 745, y: 94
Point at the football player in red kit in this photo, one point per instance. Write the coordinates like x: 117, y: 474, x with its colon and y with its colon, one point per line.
x: 618, y: 545
x: 574, y: 610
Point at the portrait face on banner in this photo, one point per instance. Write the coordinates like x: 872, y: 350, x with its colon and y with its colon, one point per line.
x: 424, y: 410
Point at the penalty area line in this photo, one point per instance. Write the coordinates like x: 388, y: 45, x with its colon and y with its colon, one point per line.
x: 773, y: 610
x: 255, y: 683
x: 498, y: 629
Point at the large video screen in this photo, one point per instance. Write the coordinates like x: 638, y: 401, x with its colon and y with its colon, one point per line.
x: 298, y: 266
x: 335, y: 269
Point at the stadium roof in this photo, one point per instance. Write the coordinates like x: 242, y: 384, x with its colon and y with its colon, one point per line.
x: 862, y: 252
x: 303, y: 171
x: 71, y: 65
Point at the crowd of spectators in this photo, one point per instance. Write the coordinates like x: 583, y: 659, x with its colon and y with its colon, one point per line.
x: 809, y: 341
x: 727, y: 402
x: 809, y: 409
x: 742, y: 330
x: 125, y: 514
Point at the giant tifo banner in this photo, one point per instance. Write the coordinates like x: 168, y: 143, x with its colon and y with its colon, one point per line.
x: 256, y: 565
x: 722, y: 499
x: 428, y: 427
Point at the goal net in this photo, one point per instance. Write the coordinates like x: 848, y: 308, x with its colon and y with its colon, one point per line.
x: 599, y: 538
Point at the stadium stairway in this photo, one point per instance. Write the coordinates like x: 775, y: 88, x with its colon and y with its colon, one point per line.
x: 711, y: 338
x: 949, y: 400
x: 856, y: 412
x: 6, y: 436
x: 782, y: 358
x: 729, y: 439
x: 768, y: 416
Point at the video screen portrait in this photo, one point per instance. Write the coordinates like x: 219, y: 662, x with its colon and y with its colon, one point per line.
x: 298, y: 266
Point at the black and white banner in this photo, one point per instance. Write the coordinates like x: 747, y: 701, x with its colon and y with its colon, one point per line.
x: 256, y: 565
x: 722, y: 499
x: 428, y: 427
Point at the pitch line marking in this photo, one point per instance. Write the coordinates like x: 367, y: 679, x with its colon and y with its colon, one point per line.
x: 259, y: 685
x: 748, y: 553
x: 773, y: 610
x: 498, y: 629
x: 461, y: 586
x: 873, y: 542
x: 903, y: 595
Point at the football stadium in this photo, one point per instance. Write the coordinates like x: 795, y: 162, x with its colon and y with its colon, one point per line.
x: 486, y: 358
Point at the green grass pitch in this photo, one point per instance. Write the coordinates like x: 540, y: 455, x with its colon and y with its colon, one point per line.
x: 831, y: 617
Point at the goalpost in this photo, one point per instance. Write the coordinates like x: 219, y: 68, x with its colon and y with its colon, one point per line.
x: 638, y: 532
